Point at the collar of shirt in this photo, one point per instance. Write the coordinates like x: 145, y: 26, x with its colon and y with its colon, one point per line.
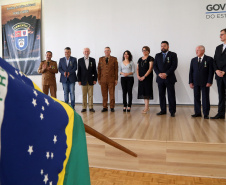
x: 165, y: 53
x: 67, y: 60
x: 86, y: 58
x: 201, y: 57
x: 224, y: 46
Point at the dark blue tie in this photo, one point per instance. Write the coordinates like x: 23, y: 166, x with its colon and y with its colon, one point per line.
x: 164, y: 57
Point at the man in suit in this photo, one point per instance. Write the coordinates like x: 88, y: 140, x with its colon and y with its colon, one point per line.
x: 67, y: 68
x: 48, y: 68
x: 219, y: 65
x: 164, y: 66
x: 108, y: 78
x: 200, y: 79
x: 87, y: 77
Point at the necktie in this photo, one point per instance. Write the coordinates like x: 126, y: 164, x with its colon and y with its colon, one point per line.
x: 199, y: 62
x: 164, y: 57
x: 106, y: 60
x: 48, y: 64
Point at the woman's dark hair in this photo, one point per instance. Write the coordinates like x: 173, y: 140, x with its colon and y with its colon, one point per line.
x: 146, y: 48
x: 130, y: 55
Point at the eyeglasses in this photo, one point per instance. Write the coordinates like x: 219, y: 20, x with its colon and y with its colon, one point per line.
x: 144, y: 50
x: 222, y: 34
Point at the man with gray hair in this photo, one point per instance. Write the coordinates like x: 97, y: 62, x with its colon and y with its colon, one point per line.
x: 67, y: 68
x: 87, y: 77
x: 200, y: 79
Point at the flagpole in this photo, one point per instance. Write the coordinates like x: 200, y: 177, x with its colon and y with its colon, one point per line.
x: 107, y: 140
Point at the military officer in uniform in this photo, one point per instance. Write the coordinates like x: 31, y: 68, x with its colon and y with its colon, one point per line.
x: 108, y: 78
x: 48, y: 68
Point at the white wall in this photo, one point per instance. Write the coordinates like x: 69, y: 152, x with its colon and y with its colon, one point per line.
x: 129, y: 24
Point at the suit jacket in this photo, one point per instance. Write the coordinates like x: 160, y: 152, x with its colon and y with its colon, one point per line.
x: 71, y: 68
x: 168, y: 67
x: 87, y: 75
x: 219, y: 62
x: 201, y: 74
x: 108, y: 72
x: 48, y: 76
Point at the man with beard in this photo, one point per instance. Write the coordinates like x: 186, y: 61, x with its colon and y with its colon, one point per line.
x: 219, y: 65
x: 164, y: 66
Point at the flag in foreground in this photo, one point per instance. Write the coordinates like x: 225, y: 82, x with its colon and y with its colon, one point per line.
x: 42, y: 140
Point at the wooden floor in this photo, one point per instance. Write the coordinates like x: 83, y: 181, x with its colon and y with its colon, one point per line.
x: 179, y: 145
x: 135, y: 125
x: 115, y: 177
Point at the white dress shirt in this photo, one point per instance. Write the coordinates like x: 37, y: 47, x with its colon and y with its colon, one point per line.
x: 86, y: 62
x: 224, y: 46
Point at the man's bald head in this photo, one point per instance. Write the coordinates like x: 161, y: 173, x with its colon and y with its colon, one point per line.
x: 200, y: 50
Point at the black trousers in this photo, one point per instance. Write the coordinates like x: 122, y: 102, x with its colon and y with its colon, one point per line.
x: 221, y: 85
x: 127, y: 88
x: 205, y: 99
x: 171, y: 96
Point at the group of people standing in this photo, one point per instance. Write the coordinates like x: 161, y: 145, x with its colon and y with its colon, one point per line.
x: 164, y: 64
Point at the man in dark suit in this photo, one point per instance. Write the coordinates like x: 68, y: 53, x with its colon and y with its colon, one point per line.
x: 67, y: 68
x: 108, y: 78
x: 164, y: 66
x: 200, y: 79
x: 87, y: 77
x: 219, y: 65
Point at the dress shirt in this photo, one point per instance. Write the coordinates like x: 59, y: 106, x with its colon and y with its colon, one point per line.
x: 201, y: 58
x: 67, y: 60
x: 224, y: 46
x: 86, y: 62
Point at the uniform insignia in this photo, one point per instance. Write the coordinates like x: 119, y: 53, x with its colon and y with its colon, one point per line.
x: 168, y: 61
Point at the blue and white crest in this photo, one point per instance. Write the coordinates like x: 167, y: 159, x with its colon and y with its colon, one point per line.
x: 21, y: 35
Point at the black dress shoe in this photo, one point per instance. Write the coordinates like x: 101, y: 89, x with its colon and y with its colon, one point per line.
x: 83, y: 110
x: 172, y: 114
x: 196, y: 115
x: 206, y: 117
x: 104, y: 110
x: 124, y: 110
x: 161, y: 113
x: 218, y: 117
x: 128, y: 110
x: 112, y: 110
x: 91, y: 110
